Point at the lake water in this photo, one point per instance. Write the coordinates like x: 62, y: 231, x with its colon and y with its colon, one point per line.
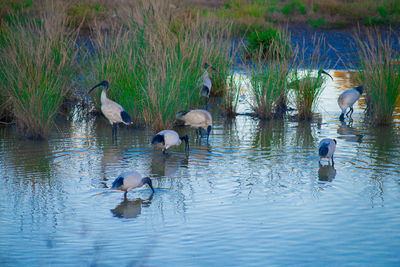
x: 254, y: 196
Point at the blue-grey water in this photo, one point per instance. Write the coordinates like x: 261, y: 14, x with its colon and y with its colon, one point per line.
x: 254, y: 196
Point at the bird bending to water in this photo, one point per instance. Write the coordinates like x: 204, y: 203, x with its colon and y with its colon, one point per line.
x: 326, y: 149
x: 131, y: 179
x: 347, y: 100
x: 113, y: 111
x: 198, y: 118
x: 168, y: 138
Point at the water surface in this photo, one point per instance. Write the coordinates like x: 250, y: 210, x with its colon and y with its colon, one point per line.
x: 254, y: 196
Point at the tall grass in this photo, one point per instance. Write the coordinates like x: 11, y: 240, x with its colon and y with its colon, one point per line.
x: 379, y: 73
x: 36, y: 70
x: 154, y: 60
x: 307, y: 83
x: 232, y: 93
x: 268, y: 82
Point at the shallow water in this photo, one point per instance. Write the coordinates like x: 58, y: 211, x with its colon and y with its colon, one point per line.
x: 254, y: 196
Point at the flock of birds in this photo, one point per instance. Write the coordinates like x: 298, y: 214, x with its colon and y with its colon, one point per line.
x: 201, y: 120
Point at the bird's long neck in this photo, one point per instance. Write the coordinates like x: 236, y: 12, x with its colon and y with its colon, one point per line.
x: 103, y: 96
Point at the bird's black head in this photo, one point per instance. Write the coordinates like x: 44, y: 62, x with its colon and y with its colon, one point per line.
x: 147, y: 180
x: 334, y: 140
x: 103, y: 83
x: 186, y: 139
x: 205, y: 65
x: 360, y: 89
x: 321, y: 71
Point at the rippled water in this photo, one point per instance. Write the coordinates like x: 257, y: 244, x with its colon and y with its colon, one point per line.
x: 254, y: 196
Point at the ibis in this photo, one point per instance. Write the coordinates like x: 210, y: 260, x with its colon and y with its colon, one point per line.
x: 310, y: 80
x: 167, y: 138
x: 205, y: 79
x: 347, y: 99
x: 130, y: 180
x: 113, y: 111
x: 198, y: 118
x: 326, y: 149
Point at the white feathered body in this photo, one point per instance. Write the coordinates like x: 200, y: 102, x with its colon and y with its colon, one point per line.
x: 348, y: 98
x: 171, y: 138
x: 111, y: 110
x: 131, y: 179
x: 206, y: 79
x: 197, y: 118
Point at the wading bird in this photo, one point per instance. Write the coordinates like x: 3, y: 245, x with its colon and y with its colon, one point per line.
x: 205, y: 79
x: 113, y: 111
x: 167, y: 138
x: 317, y: 81
x: 198, y: 118
x: 347, y: 100
x: 326, y: 149
x: 131, y: 179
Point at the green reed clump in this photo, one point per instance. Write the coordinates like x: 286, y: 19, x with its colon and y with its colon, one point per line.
x: 219, y: 53
x: 307, y: 83
x: 118, y: 59
x: 36, y: 70
x: 273, y: 43
x: 154, y: 69
x: 379, y: 73
x: 268, y: 83
x: 232, y: 93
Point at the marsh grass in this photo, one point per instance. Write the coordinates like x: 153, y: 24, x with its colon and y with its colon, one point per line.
x: 379, y: 73
x: 273, y: 43
x: 153, y: 68
x: 37, y: 69
x: 232, y: 93
x: 268, y: 82
x: 307, y: 83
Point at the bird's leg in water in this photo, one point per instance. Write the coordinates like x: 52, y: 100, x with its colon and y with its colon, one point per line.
x: 349, y: 112
x: 114, y: 129
x: 333, y: 163
x: 126, y: 192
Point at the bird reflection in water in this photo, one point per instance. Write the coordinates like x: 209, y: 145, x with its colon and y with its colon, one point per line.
x: 349, y: 133
x: 131, y: 209
x: 326, y: 173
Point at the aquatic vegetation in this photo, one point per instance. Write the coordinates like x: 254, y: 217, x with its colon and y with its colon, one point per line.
x: 306, y: 85
x: 379, y: 73
x: 270, y: 42
x: 153, y: 69
x: 268, y: 82
x: 37, y: 70
x: 232, y: 93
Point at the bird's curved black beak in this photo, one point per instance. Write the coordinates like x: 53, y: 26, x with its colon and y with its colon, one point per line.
x: 103, y: 83
x: 324, y: 72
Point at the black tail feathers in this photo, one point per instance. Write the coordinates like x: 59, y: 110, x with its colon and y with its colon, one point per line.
x: 125, y: 117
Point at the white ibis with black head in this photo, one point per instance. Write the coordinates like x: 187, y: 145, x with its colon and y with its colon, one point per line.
x: 167, y: 138
x: 197, y: 118
x: 347, y: 99
x: 113, y: 111
x: 205, y: 79
x: 130, y: 180
x: 326, y: 149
